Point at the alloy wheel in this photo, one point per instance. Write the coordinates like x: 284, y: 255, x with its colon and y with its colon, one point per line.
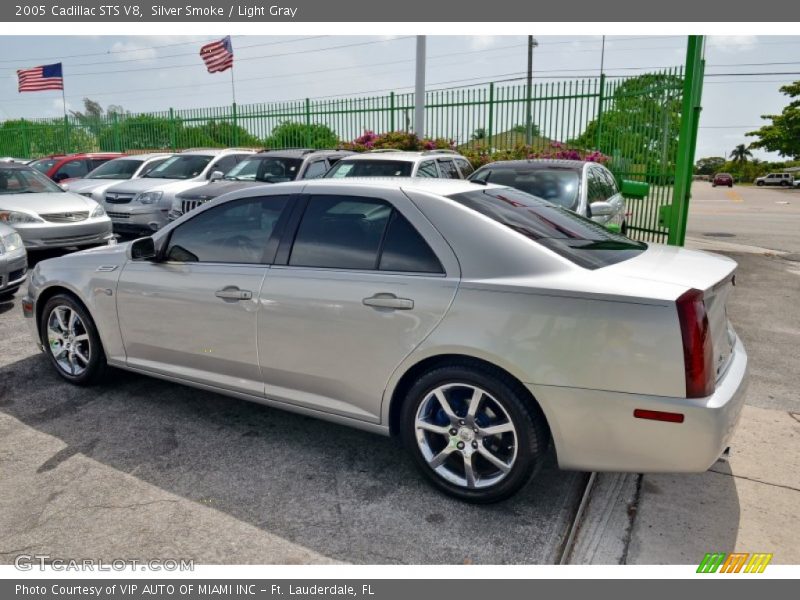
x: 466, y: 436
x: 68, y: 340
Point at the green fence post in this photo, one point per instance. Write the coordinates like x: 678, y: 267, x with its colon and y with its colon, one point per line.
x: 173, y: 138
x: 115, y: 129
x: 26, y: 142
x: 308, y: 123
x: 687, y: 141
x: 235, y: 139
x: 600, y: 99
x: 391, y: 111
x: 490, y: 127
x: 67, y: 146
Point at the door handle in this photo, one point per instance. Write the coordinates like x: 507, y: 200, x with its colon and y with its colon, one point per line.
x: 389, y: 301
x: 232, y: 292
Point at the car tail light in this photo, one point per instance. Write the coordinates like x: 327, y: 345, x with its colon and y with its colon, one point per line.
x: 697, y: 347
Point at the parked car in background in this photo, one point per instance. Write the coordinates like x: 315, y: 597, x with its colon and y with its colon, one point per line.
x: 722, y: 179
x: 23, y: 161
x: 587, y: 188
x: 96, y: 182
x: 271, y: 166
x: 474, y: 322
x: 46, y: 216
x: 439, y: 164
x: 60, y: 167
x: 13, y: 261
x: 781, y: 179
x: 141, y: 206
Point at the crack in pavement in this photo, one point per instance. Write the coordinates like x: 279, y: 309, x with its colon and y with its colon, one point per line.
x: 779, y: 485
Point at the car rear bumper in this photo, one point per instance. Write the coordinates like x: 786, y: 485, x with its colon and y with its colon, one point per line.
x: 86, y: 233
x: 596, y: 430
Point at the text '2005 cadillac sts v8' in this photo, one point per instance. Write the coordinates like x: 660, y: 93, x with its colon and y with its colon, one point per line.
x: 475, y: 322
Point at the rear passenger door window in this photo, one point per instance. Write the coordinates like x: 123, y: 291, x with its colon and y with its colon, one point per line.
x: 448, y: 169
x: 356, y: 233
x: 72, y: 168
x: 224, y: 164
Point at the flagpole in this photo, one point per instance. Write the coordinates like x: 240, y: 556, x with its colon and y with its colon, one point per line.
x: 66, y: 119
x: 235, y: 124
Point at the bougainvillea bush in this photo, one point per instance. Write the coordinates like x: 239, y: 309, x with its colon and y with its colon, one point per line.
x: 481, y: 155
x: 396, y: 140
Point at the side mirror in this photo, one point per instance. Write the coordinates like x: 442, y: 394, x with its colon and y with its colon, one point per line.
x: 216, y: 176
x: 59, y: 177
x: 601, y: 209
x: 634, y: 189
x: 143, y: 249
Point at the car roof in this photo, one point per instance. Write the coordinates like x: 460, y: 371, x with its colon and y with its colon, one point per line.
x: 214, y: 151
x: 148, y: 156
x: 300, y: 152
x: 442, y: 187
x: 541, y: 163
x: 403, y: 155
x: 15, y: 165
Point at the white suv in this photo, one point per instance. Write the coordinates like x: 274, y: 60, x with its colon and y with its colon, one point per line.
x: 436, y: 164
x: 781, y: 179
x: 140, y: 206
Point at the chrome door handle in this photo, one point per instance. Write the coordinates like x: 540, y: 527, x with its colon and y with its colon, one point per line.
x: 232, y: 292
x: 389, y: 301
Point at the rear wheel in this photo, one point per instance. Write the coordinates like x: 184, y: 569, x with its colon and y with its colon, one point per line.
x: 70, y: 339
x: 784, y: 184
x: 472, y: 433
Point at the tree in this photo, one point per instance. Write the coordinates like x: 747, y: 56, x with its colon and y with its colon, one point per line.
x: 640, y: 124
x: 709, y: 165
x: 300, y: 135
x: 479, y: 134
x: 741, y: 153
x: 783, y: 134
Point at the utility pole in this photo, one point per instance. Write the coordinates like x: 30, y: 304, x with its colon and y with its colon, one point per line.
x: 419, y: 90
x: 532, y: 43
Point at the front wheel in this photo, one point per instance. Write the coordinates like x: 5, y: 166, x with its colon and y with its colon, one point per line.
x: 759, y: 183
x: 472, y: 433
x: 71, y: 341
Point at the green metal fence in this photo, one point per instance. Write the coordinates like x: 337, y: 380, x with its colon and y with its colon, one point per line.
x: 636, y: 121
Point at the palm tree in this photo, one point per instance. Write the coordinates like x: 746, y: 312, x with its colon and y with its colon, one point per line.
x: 741, y: 153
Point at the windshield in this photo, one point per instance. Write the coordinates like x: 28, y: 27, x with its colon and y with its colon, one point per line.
x: 180, y: 167
x: 559, y: 186
x: 271, y: 170
x: 25, y: 181
x: 43, y: 165
x: 121, y: 168
x: 371, y: 168
x: 581, y: 240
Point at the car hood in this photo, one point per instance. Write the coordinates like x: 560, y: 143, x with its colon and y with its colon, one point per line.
x: 50, y: 202
x: 679, y: 266
x: 81, y: 186
x: 143, y: 184
x: 217, y: 188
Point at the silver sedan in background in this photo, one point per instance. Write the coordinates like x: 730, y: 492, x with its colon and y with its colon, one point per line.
x: 46, y: 216
x: 13, y: 262
x: 477, y: 323
x: 96, y: 182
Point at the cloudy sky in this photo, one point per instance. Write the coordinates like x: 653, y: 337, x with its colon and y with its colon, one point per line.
x: 147, y: 73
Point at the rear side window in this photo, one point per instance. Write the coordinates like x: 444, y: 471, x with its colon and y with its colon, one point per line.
x: 316, y: 170
x: 580, y: 240
x: 72, y: 168
x: 448, y: 169
x: 465, y: 167
x: 427, y: 169
x: 344, y: 232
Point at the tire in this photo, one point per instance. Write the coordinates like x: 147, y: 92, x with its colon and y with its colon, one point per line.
x: 760, y: 183
x: 730, y: 185
x: 72, y: 344
x: 624, y: 228
x: 501, y: 405
x: 784, y: 184
x: 713, y: 185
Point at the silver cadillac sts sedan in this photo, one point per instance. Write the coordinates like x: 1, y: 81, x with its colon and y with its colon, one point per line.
x: 475, y: 322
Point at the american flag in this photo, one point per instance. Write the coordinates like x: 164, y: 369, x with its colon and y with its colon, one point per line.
x: 218, y: 56
x: 46, y: 77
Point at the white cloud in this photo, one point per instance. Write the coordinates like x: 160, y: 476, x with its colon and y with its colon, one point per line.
x: 732, y: 43
x: 132, y: 50
x: 481, y: 42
